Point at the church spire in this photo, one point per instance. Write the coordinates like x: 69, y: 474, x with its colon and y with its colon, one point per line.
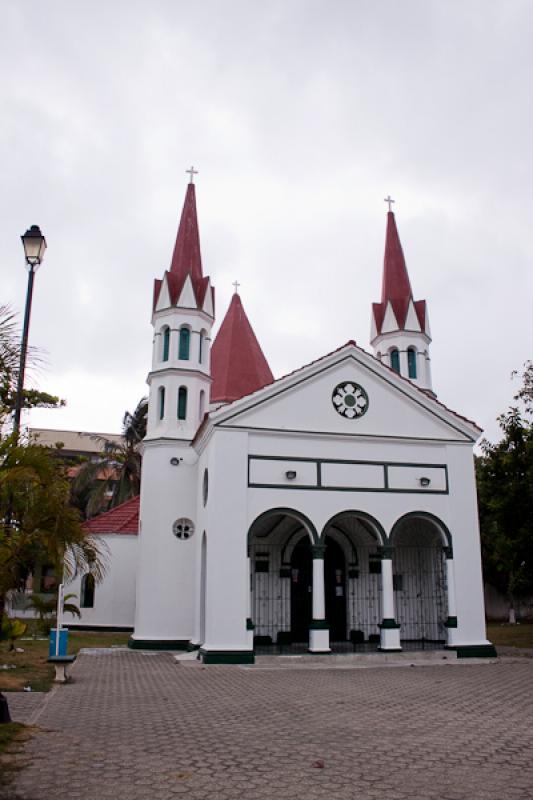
x: 238, y: 366
x: 400, y: 327
x: 187, y: 258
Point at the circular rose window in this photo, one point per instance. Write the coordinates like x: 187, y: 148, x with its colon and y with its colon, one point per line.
x: 183, y: 528
x: 350, y: 400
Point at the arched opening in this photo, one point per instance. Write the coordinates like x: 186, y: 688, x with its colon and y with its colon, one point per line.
x: 203, y: 587
x: 419, y: 578
x: 161, y: 402
x: 279, y: 548
x: 201, y: 405
x: 182, y: 402
x: 353, y: 579
x: 87, y: 591
x: 201, y: 346
x: 411, y: 362
x: 165, y: 348
x: 184, y: 344
x: 395, y: 359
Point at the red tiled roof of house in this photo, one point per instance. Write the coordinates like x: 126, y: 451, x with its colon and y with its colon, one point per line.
x: 122, y: 519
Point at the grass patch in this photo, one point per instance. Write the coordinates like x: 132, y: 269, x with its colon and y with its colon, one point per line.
x: 12, y: 737
x: 505, y: 635
x: 31, y: 668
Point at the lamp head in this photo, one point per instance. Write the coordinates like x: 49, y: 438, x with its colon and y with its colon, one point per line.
x: 34, y: 245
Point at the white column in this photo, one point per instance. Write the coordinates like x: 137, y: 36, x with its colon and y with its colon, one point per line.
x: 451, y: 622
x: 390, y: 630
x: 319, y: 632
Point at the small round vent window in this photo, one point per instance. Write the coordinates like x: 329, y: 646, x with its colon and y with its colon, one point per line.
x: 183, y: 528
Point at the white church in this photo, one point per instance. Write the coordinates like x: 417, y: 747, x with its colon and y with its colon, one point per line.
x: 332, y: 509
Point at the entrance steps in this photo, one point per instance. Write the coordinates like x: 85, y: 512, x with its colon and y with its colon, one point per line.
x: 356, y: 660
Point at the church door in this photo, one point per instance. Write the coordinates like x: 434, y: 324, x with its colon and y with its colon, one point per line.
x: 335, y: 585
x: 301, y: 590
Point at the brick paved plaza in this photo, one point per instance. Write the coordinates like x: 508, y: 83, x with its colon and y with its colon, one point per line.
x: 143, y: 727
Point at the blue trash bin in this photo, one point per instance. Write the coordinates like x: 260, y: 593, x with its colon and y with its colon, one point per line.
x: 63, y: 642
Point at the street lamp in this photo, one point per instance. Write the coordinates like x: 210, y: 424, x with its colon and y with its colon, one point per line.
x: 34, y: 247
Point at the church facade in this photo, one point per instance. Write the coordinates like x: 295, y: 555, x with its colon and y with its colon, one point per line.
x: 335, y: 506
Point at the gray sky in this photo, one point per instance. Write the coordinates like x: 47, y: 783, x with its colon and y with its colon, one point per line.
x: 301, y: 116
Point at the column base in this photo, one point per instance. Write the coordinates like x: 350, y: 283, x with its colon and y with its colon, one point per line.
x: 227, y: 656
x: 319, y: 637
x: 390, y: 636
x: 474, y: 650
x: 158, y: 644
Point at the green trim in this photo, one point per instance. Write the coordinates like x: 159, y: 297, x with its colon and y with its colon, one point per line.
x: 318, y: 625
x: 448, y: 552
x: 451, y: 622
x: 427, y: 516
x: 320, y: 652
x: 100, y: 628
x: 158, y: 644
x: 250, y: 625
x: 227, y: 656
x: 320, y: 486
x: 389, y: 623
x: 390, y: 650
x: 386, y: 552
x: 192, y: 647
x: 475, y: 651
x: 318, y: 551
x: 429, y: 439
x: 287, y: 512
x: 378, y: 530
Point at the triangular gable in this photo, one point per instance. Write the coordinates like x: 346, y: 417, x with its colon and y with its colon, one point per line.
x: 411, y: 320
x: 390, y: 323
x: 163, y: 301
x: 208, y: 305
x: 303, y: 402
x: 187, y: 297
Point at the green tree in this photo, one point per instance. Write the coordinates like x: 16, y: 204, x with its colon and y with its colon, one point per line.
x: 505, y: 494
x: 116, y: 476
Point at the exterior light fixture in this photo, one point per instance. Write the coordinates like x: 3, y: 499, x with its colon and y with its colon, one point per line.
x: 425, y: 481
x: 290, y: 474
x: 175, y: 461
x: 34, y: 245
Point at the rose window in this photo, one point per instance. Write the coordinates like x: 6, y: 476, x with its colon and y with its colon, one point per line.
x: 350, y: 400
x: 183, y: 528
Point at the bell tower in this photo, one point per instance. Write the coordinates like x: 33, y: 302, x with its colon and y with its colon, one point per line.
x: 183, y: 315
x: 400, y: 334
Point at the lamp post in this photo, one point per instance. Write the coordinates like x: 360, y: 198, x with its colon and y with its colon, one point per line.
x: 34, y: 247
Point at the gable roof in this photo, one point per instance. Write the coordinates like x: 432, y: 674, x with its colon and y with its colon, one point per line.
x: 466, y: 426
x: 238, y: 365
x: 124, y: 519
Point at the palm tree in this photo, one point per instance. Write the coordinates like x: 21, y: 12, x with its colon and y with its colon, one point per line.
x: 116, y: 476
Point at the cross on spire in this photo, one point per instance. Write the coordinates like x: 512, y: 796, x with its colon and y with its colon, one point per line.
x: 236, y: 284
x: 390, y: 201
x: 191, y: 172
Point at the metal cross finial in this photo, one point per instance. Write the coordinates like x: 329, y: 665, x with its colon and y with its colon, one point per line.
x: 390, y: 201
x: 192, y: 172
x: 236, y: 284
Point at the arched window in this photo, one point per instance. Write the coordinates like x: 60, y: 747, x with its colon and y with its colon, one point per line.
x: 395, y: 359
x: 161, y: 402
x: 201, y: 347
x: 182, y: 403
x: 185, y: 342
x: 202, y: 405
x: 411, y: 362
x: 166, y: 344
x: 87, y: 591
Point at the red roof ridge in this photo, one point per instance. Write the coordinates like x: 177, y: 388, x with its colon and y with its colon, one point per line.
x: 122, y: 519
x: 238, y: 364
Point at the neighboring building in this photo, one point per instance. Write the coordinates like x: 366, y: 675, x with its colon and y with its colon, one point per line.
x: 335, y: 504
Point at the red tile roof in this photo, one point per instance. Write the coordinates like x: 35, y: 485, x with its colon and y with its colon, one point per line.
x: 238, y: 366
x: 122, y: 519
x: 396, y: 287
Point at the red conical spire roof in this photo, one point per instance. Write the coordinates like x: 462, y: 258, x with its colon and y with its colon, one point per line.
x: 238, y: 366
x: 396, y: 287
x: 186, y: 257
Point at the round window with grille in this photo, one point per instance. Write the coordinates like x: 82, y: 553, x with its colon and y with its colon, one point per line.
x: 183, y: 528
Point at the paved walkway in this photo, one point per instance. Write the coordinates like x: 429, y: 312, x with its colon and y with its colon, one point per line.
x: 136, y: 726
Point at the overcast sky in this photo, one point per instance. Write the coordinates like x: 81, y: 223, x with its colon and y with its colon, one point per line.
x: 301, y: 116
